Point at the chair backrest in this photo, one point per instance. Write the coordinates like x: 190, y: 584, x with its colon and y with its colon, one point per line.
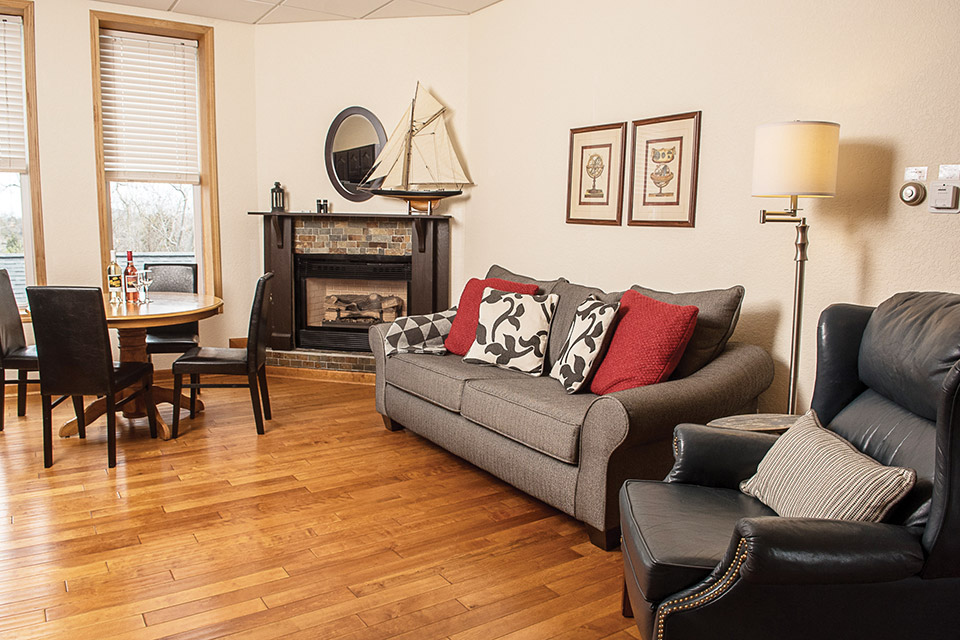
x: 178, y: 277
x: 257, y: 333
x: 11, y: 328
x: 888, y: 381
x: 73, y: 344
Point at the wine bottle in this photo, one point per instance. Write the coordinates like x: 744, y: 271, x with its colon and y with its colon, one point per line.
x: 131, y: 290
x: 114, y: 279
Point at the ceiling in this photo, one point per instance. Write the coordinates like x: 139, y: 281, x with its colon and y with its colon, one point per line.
x: 277, y: 11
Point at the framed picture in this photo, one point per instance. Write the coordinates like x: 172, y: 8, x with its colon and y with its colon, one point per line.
x: 663, y: 171
x: 595, y: 178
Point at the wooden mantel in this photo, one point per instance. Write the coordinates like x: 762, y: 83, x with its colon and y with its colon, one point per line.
x: 429, y: 290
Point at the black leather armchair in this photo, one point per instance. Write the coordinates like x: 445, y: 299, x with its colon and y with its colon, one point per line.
x: 702, y: 560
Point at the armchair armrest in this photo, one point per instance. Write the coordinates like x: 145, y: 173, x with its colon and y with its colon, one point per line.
x: 716, y: 457
x: 809, y: 551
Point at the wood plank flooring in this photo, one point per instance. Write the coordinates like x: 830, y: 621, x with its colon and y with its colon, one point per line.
x: 328, y: 526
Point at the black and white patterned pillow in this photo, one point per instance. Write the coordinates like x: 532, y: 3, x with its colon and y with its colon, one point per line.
x: 419, y: 334
x: 588, y: 338
x: 512, y: 331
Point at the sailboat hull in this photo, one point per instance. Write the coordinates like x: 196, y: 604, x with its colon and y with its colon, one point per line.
x: 423, y: 201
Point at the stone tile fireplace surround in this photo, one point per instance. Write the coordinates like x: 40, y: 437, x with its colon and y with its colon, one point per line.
x: 292, y: 239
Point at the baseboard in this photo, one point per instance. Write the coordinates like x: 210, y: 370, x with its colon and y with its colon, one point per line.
x: 327, y: 375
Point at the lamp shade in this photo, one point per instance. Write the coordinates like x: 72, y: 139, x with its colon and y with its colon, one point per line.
x: 796, y: 158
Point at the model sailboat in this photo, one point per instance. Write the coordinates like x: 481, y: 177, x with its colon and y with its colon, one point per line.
x: 418, y: 163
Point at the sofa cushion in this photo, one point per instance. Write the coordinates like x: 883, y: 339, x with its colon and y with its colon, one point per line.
x: 546, y: 286
x: 647, y: 344
x: 512, y: 331
x: 675, y: 534
x: 585, y: 345
x: 719, y: 312
x: 438, y: 379
x: 464, y: 329
x: 536, y: 412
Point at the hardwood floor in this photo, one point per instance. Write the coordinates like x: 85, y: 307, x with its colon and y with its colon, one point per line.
x: 328, y: 526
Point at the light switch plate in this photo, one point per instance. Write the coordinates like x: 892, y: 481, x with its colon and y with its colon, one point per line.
x: 944, y: 197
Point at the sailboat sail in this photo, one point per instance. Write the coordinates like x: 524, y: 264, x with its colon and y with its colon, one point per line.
x: 419, y: 154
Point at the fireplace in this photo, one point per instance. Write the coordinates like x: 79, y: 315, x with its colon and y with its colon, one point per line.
x: 339, y: 297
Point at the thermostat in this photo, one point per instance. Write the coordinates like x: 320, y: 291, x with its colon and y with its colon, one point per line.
x: 945, y: 197
x: 913, y: 193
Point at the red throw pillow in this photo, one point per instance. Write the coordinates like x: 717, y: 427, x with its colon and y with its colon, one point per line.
x: 464, y: 329
x: 647, y: 345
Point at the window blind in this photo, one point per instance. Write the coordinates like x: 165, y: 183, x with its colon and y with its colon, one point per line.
x: 13, y: 118
x: 149, y: 105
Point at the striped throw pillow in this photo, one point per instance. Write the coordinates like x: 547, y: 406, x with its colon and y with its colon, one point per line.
x: 811, y: 472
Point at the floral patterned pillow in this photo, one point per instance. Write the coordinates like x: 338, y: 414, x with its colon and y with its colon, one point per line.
x: 513, y: 330
x: 587, y: 340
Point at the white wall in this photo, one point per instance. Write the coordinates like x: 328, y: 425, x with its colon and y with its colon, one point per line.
x: 307, y: 73
x: 881, y: 68
x: 68, y: 168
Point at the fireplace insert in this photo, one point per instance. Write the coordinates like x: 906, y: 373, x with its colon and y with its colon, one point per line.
x: 339, y: 297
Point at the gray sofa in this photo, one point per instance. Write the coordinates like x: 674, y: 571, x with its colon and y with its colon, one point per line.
x: 573, y: 451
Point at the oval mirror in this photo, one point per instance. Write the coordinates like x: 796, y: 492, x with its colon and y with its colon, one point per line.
x: 353, y: 143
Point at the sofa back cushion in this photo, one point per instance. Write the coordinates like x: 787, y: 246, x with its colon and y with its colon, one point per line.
x: 719, y: 312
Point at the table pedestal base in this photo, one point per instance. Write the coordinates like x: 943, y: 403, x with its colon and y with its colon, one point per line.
x: 160, y: 394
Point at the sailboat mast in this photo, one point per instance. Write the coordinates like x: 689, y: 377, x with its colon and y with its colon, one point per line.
x: 409, y: 141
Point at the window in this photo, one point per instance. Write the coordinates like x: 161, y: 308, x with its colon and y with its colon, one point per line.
x: 154, y: 94
x: 21, y: 243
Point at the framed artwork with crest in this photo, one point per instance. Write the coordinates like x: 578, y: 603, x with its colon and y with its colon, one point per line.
x: 663, y: 171
x: 595, y: 174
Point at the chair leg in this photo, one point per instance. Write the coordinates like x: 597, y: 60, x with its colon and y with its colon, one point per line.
x: 255, y: 399
x: 81, y: 418
x: 194, y: 380
x: 151, y: 407
x: 177, y: 391
x: 22, y: 393
x: 3, y: 388
x: 264, y: 394
x: 47, y: 432
x: 111, y: 432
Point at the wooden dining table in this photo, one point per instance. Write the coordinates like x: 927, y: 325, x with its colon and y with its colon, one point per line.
x: 131, y: 322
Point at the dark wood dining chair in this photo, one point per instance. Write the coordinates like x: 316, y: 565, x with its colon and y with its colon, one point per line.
x: 249, y: 362
x: 176, y: 338
x: 73, y: 349
x: 15, y: 355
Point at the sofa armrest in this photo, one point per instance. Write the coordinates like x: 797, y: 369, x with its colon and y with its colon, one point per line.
x: 809, y: 551
x: 716, y: 457
x: 377, y: 336
x: 622, y: 433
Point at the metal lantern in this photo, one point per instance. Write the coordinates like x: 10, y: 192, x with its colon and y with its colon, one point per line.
x: 276, y: 197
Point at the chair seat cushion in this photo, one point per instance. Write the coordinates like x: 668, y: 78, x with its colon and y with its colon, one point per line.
x: 172, y: 343
x: 536, y: 412
x: 212, y: 360
x: 126, y: 374
x: 676, y: 534
x: 438, y: 379
x: 23, y: 359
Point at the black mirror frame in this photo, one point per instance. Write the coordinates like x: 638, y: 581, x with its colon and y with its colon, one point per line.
x: 359, y: 196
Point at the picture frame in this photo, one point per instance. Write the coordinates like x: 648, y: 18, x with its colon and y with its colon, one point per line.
x: 595, y: 174
x: 664, y: 159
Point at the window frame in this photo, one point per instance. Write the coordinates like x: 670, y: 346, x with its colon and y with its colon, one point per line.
x: 37, y: 262
x: 209, y: 195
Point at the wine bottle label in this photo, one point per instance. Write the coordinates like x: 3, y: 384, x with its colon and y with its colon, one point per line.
x: 131, y: 282
x: 114, y: 283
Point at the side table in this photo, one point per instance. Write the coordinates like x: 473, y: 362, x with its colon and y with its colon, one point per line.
x: 775, y: 423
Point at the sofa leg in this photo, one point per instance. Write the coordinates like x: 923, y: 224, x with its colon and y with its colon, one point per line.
x: 625, y: 607
x: 607, y: 540
x: 391, y: 425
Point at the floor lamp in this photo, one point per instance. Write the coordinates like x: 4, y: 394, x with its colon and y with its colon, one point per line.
x: 795, y: 160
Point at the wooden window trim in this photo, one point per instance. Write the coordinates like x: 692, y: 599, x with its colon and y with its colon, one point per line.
x: 209, y: 198
x: 24, y: 9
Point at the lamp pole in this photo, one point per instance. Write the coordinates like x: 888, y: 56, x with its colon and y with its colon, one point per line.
x: 802, y: 242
